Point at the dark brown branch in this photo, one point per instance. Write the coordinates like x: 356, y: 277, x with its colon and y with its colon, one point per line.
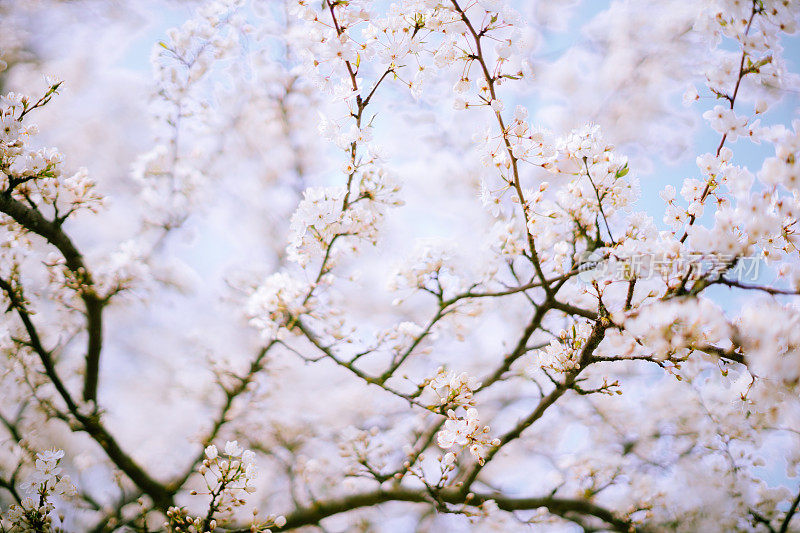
x: 8, y: 484
x: 312, y: 515
x: 33, y: 220
x: 729, y: 354
x: 519, y: 350
x: 789, y: 514
x: 594, y: 339
x: 90, y: 424
x: 769, y: 290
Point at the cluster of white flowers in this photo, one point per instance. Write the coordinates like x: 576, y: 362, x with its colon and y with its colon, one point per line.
x: 751, y: 219
x: 327, y: 213
x: 601, y: 186
x: 524, y: 142
x: 338, y: 61
x: 14, y: 247
x: 399, y: 338
x: 465, y: 430
x: 360, y: 39
x: 210, y: 34
x: 317, y: 220
x: 756, y: 27
x: 668, y: 329
x: 462, y: 428
x: 507, y: 239
x: 117, y: 271
x: 563, y: 354
x: 225, y: 474
x: 725, y: 120
x: 121, y: 268
x: 227, y: 466
x: 583, y: 207
x: 37, y: 175
x: 453, y: 388
x: 771, y: 338
x: 533, y: 145
x: 429, y: 268
x: 508, y: 61
x: 784, y: 168
x: 35, y: 512
x: 170, y: 178
x: 745, y: 220
x: 276, y: 302
x: 17, y: 160
x: 168, y: 185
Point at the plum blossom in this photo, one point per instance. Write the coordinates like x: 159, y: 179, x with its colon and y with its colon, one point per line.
x: 275, y: 302
x: 466, y: 431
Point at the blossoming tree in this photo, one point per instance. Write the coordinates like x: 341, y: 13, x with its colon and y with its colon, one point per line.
x: 346, y: 279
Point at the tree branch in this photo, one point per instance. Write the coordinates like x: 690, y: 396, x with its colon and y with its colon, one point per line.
x: 33, y: 220
x: 90, y: 424
x: 312, y: 515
